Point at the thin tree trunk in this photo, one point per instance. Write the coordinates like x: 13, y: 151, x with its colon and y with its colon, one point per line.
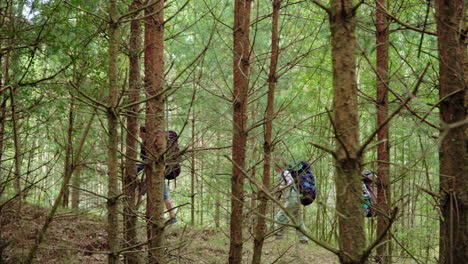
x: 268, y: 129
x: 130, y: 178
x: 2, y: 131
x: 192, y: 175
x: 75, y: 192
x: 4, y: 61
x: 16, y: 142
x: 112, y: 144
x: 241, y: 66
x: 218, y: 195
x: 155, y: 141
x: 41, y: 233
x: 68, y: 151
x: 3, y: 100
x: 383, y: 149
x: 346, y: 125
x: 453, y: 148
x: 200, y: 183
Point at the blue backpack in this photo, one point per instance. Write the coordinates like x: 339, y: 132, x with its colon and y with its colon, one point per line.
x: 305, y: 181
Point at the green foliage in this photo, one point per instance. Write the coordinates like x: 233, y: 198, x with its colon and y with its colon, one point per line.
x: 58, y: 44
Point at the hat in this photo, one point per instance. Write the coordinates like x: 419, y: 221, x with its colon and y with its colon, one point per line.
x: 367, y: 175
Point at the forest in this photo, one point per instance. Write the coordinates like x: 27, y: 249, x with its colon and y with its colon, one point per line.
x: 217, y: 131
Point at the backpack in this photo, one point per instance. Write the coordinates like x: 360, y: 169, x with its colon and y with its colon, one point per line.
x: 172, y: 157
x: 305, y: 181
x: 368, y: 193
x: 367, y: 201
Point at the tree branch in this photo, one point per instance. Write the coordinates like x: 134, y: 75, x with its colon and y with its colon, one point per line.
x: 322, y: 6
x: 273, y: 199
x: 383, y: 9
x: 323, y: 148
x: 85, y: 11
x: 376, y: 242
x: 389, y: 118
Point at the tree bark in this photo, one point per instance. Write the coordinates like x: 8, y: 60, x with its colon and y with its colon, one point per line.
x: 112, y: 140
x: 452, y: 148
x: 346, y: 125
x: 2, y: 130
x: 383, y: 148
x: 130, y: 178
x: 155, y: 141
x: 268, y: 129
x: 241, y: 66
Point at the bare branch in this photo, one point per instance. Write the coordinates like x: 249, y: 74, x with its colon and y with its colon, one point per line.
x: 391, y: 116
x: 321, y: 5
x: 376, y: 242
x: 384, y: 10
x: 85, y: 11
x: 323, y: 148
x: 96, y: 102
x: 274, y: 200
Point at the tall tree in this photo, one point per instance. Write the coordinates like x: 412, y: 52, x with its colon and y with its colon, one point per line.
x: 75, y: 192
x: 67, y: 171
x: 241, y: 65
x: 192, y: 174
x: 131, y: 146
x: 268, y: 129
x: 346, y: 125
x: 383, y: 148
x: 155, y: 141
x: 113, y: 139
x: 450, y: 17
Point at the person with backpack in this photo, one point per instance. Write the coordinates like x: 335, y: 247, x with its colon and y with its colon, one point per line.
x: 172, y: 170
x: 297, y: 187
x: 369, y: 192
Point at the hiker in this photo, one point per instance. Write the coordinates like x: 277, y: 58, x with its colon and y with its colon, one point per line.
x: 369, y: 192
x: 289, y: 190
x: 167, y: 199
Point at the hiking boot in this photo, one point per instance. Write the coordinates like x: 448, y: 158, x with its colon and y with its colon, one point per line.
x: 304, y: 241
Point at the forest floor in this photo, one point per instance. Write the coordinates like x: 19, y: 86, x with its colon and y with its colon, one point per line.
x: 81, y: 238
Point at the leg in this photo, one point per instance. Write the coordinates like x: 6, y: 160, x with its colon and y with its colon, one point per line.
x: 282, y: 217
x: 168, y: 202
x: 299, y: 220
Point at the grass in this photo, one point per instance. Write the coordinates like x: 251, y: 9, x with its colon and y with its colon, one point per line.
x: 75, y: 237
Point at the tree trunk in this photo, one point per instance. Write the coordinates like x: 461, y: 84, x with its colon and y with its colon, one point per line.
x: 2, y: 130
x: 155, y: 141
x: 192, y: 175
x: 201, y: 202
x: 75, y: 192
x: 112, y: 144
x: 383, y: 149
x: 240, y: 92
x: 130, y: 179
x: 218, y: 195
x: 268, y: 129
x: 346, y: 122
x: 67, y: 167
x: 16, y: 142
x: 452, y: 149
x: 3, y: 101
